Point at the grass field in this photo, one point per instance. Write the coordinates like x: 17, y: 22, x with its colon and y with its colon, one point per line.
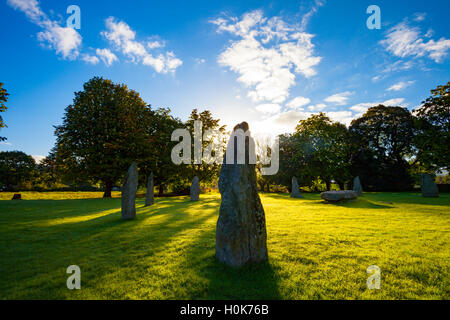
x: 316, y: 250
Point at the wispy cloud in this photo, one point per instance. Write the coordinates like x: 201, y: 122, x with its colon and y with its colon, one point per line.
x: 107, y: 56
x: 339, y: 98
x: 360, y: 108
x: 403, y: 41
x: 65, y: 41
x: 123, y: 38
x: 267, y: 54
x: 317, y: 107
x: 419, y: 16
x: 400, y: 85
x: 307, y: 16
x: 298, y: 102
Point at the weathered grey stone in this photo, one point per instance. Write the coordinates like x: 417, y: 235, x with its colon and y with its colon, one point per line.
x: 336, y: 196
x: 357, y: 187
x: 195, y: 189
x: 129, y: 189
x: 241, y: 235
x: 295, y: 189
x: 429, y: 187
x: 149, y: 195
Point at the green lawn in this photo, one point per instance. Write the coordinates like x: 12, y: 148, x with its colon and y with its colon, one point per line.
x: 316, y: 250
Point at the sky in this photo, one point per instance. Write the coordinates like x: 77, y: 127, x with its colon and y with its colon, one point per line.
x: 270, y: 63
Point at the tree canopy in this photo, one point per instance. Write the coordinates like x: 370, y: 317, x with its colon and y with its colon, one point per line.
x: 433, y: 129
x: 104, y: 131
x: 16, y: 168
x: 3, y: 99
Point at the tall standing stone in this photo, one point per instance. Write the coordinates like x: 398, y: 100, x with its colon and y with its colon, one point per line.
x: 357, y: 187
x: 429, y: 187
x: 195, y: 189
x: 149, y: 195
x: 129, y: 190
x: 295, y: 189
x: 241, y: 236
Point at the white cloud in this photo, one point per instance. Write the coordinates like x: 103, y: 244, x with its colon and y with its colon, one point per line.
x: 344, y: 117
x: 65, y: 41
x: 306, y: 17
x: 267, y: 55
x: 107, y: 56
x: 400, y: 85
x: 90, y: 59
x: 298, y: 102
x: 419, y: 16
x: 155, y: 44
x: 360, y: 108
x: 317, y: 107
x: 403, y: 41
x: 376, y: 78
x: 122, y: 37
x: 339, y: 98
x: 6, y: 143
x: 268, y: 108
x: 200, y: 60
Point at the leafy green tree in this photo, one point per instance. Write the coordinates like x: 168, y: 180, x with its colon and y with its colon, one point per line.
x: 159, y: 160
x: 103, y: 132
x: 382, y: 141
x: 322, y: 149
x: 433, y: 130
x: 318, y: 149
x: 3, y: 99
x: 16, y: 168
x: 205, y: 172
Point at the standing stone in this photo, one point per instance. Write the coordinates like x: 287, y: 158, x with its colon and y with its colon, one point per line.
x: 129, y: 189
x: 295, y: 190
x: 357, y: 187
x: 149, y: 196
x: 195, y: 189
x: 17, y: 196
x: 241, y: 236
x: 429, y: 188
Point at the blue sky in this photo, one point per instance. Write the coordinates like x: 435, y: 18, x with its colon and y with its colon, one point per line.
x: 270, y: 63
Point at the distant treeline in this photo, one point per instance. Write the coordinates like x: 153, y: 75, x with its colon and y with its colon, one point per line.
x: 109, y: 126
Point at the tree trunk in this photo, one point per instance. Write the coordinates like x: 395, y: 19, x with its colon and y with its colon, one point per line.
x: 160, y: 190
x: 341, y: 185
x: 268, y: 187
x: 328, y: 183
x: 108, y: 188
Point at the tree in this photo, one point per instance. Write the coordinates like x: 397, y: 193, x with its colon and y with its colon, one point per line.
x: 159, y: 159
x: 16, y: 168
x: 433, y: 130
x: 103, y: 132
x: 205, y: 172
x: 318, y: 149
x: 382, y: 140
x: 3, y: 99
x: 323, y: 150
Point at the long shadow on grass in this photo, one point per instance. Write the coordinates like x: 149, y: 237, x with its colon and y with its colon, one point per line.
x: 286, y: 196
x: 105, y: 241
x: 253, y: 281
x: 410, y: 198
x: 358, y: 203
